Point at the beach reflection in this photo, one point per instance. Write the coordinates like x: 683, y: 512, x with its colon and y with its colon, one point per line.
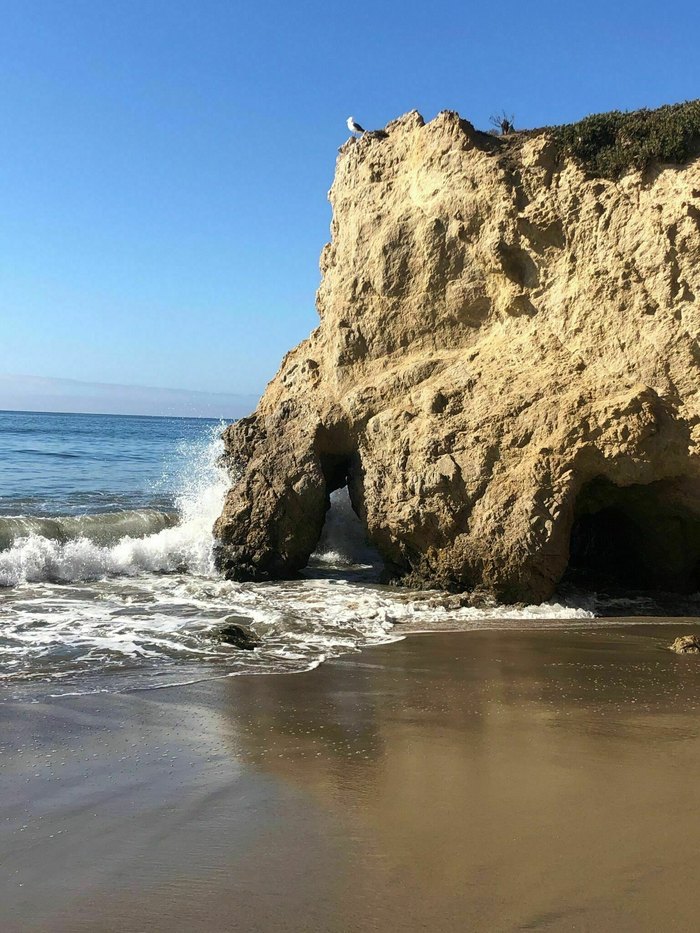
x: 510, y: 780
x: 476, y: 781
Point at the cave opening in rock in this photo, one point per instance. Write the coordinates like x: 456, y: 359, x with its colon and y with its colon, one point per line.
x: 344, y: 542
x: 640, y: 537
x: 605, y: 549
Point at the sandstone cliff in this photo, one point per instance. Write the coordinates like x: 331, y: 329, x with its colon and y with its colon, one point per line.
x: 508, y: 353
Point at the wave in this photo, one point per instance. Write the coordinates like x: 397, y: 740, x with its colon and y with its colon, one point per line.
x: 56, y: 454
x: 103, y: 528
x: 89, y: 547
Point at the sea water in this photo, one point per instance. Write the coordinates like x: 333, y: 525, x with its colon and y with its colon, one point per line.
x: 107, y: 576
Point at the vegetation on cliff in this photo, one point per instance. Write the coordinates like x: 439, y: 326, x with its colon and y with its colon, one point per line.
x: 608, y: 145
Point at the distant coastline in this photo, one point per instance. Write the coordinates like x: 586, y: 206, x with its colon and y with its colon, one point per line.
x: 28, y: 393
x: 109, y: 414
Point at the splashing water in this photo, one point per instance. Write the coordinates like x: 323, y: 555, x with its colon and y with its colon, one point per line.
x: 186, y: 546
x: 343, y: 541
x: 86, y: 608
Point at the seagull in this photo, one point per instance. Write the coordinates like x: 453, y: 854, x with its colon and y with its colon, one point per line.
x: 355, y: 127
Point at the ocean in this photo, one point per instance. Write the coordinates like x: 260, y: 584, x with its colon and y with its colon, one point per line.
x: 107, y: 578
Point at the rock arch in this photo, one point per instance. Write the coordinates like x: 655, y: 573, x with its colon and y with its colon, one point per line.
x: 277, y: 508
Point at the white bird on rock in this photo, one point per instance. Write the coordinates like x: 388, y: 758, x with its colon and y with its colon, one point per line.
x: 355, y: 127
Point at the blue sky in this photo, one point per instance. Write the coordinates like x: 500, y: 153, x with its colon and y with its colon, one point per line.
x: 164, y: 165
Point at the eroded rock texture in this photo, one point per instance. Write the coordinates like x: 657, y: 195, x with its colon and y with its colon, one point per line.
x: 507, y: 354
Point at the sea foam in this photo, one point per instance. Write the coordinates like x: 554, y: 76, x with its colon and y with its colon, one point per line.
x: 72, y: 549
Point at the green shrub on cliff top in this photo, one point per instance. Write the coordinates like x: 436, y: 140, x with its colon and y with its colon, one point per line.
x: 610, y: 144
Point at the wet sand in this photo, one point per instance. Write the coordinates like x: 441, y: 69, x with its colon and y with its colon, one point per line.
x: 473, y: 781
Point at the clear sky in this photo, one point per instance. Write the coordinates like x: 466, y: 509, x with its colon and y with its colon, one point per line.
x: 164, y: 164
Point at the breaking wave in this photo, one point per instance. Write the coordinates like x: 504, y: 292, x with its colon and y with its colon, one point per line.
x: 70, y: 549
x: 102, y: 528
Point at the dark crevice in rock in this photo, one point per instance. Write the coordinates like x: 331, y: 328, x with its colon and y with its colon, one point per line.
x: 605, y: 550
x: 642, y: 537
x: 518, y: 265
x: 335, y: 469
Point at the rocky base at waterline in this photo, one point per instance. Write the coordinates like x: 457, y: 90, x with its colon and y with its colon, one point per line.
x: 686, y: 644
x: 505, y: 375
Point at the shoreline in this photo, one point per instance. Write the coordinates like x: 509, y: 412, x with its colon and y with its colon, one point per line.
x: 107, y: 681
x: 505, y: 780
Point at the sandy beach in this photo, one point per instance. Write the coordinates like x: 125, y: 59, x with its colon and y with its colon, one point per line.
x: 467, y: 781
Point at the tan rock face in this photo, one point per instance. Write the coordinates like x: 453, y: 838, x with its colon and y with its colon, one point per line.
x: 508, y: 352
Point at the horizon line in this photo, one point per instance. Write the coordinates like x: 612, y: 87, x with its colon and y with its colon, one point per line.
x: 111, y: 414
x: 124, y: 385
x: 65, y: 395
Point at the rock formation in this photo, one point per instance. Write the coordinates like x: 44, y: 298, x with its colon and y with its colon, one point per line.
x: 686, y: 644
x: 505, y: 373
